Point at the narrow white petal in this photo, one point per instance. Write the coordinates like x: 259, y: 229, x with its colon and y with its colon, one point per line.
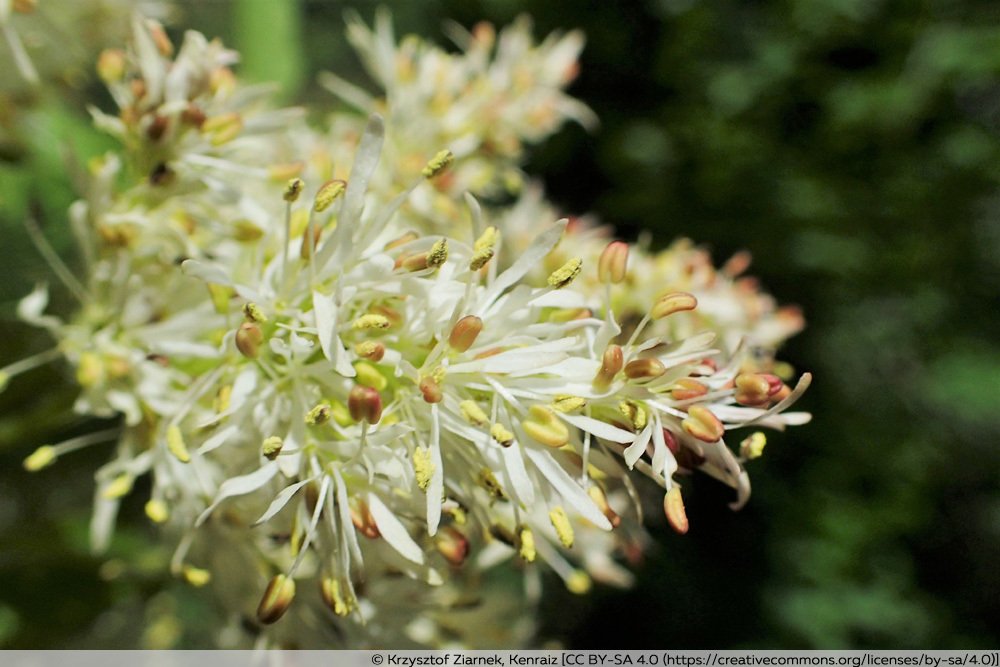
x: 528, y: 261
x: 240, y: 486
x: 393, y: 531
x: 280, y: 501
x: 634, y: 451
x: 567, y: 487
x: 599, y: 428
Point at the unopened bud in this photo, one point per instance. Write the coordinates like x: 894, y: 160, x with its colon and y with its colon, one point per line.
x: 431, y: 390
x: 249, y: 338
x: 437, y: 164
x: 483, y: 249
x: 613, y: 264
x: 372, y: 321
x: 328, y: 193
x: 333, y: 597
x: 644, y: 369
x: 502, y: 435
x: 674, y: 302
x: 319, y: 414
x: 673, y: 507
x: 703, y: 424
x: 42, y: 457
x: 276, y: 599
x: 473, y: 413
x: 293, y: 189
x: 611, y: 363
x: 564, y: 529
x: 176, y: 445
x: 752, y: 447
x: 464, y: 333
x: 686, y: 389
x: 423, y: 467
x: 452, y: 544
x: 565, y: 274
x: 364, y: 404
x: 272, y: 447
x: 111, y: 65
x: 544, y: 426
x: 157, y: 511
x: 371, y: 350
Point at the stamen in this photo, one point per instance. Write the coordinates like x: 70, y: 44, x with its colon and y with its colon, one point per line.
x: 566, y: 273
x: 276, y: 599
x: 272, y: 447
x: 564, y: 529
x: 437, y: 164
x: 673, y: 507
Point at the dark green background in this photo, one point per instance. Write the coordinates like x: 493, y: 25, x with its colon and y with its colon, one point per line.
x: 851, y: 145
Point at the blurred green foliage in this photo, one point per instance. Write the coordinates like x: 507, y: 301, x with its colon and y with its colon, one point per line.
x: 852, y: 145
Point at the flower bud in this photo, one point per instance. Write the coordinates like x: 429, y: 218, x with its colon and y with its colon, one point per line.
x: 685, y: 389
x: 437, y: 164
x: 644, y: 369
x: 464, y: 333
x: 328, y: 193
x: 272, y: 447
x: 249, y: 338
x: 674, y: 302
x: 564, y: 529
x: 673, y: 507
x: 364, y: 404
x: 452, y: 544
x: 544, y: 426
x: 612, y: 266
x: 703, y: 424
x: 611, y: 363
x: 276, y: 599
x: 566, y: 273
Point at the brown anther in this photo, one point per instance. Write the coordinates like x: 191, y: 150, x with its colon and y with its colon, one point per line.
x: 364, y: 404
x: 752, y: 389
x: 159, y: 35
x: 703, y: 424
x: 362, y: 519
x: 503, y: 534
x: 673, y: 507
x: 249, y: 338
x: 161, y: 175
x: 157, y: 128
x: 193, y: 116
x: 613, y: 264
x: 464, y: 333
x: 431, y: 390
x: 276, y: 599
x: 674, y: 302
x: 686, y: 388
x: 452, y: 544
x: 492, y: 352
x: 138, y: 88
x: 611, y: 363
x: 644, y: 369
x: 371, y: 350
x: 737, y: 264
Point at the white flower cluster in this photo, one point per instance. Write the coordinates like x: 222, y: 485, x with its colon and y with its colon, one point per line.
x: 354, y: 396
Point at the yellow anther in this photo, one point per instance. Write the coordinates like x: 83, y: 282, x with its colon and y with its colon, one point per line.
x: 157, y: 510
x: 369, y: 376
x: 245, y: 231
x: 319, y: 414
x: 372, y: 321
x: 484, y: 248
x: 635, y: 413
x: 293, y: 189
x: 473, y: 413
x: 703, y: 424
x: 564, y: 529
x: 222, y: 398
x: 334, y: 598
x: 566, y: 403
x: 544, y: 426
x: 673, y: 507
x: 111, y: 65
x: 488, y: 481
x: 196, y: 576
x: 340, y: 413
x: 501, y: 435
x: 674, y: 302
x: 437, y: 164
x: 42, y: 457
x: 176, y: 445
x: 438, y: 254
x: 752, y: 447
x: 526, y: 544
x: 578, y: 582
x: 328, y: 193
x: 644, y: 369
x: 566, y: 273
x: 370, y: 349
x: 464, y: 333
x: 249, y: 338
x: 276, y: 599
x: 613, y: 263
x: 423, y: 467
x: 272, y: 447
x: 90, y: 370
x: 120, y: 486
